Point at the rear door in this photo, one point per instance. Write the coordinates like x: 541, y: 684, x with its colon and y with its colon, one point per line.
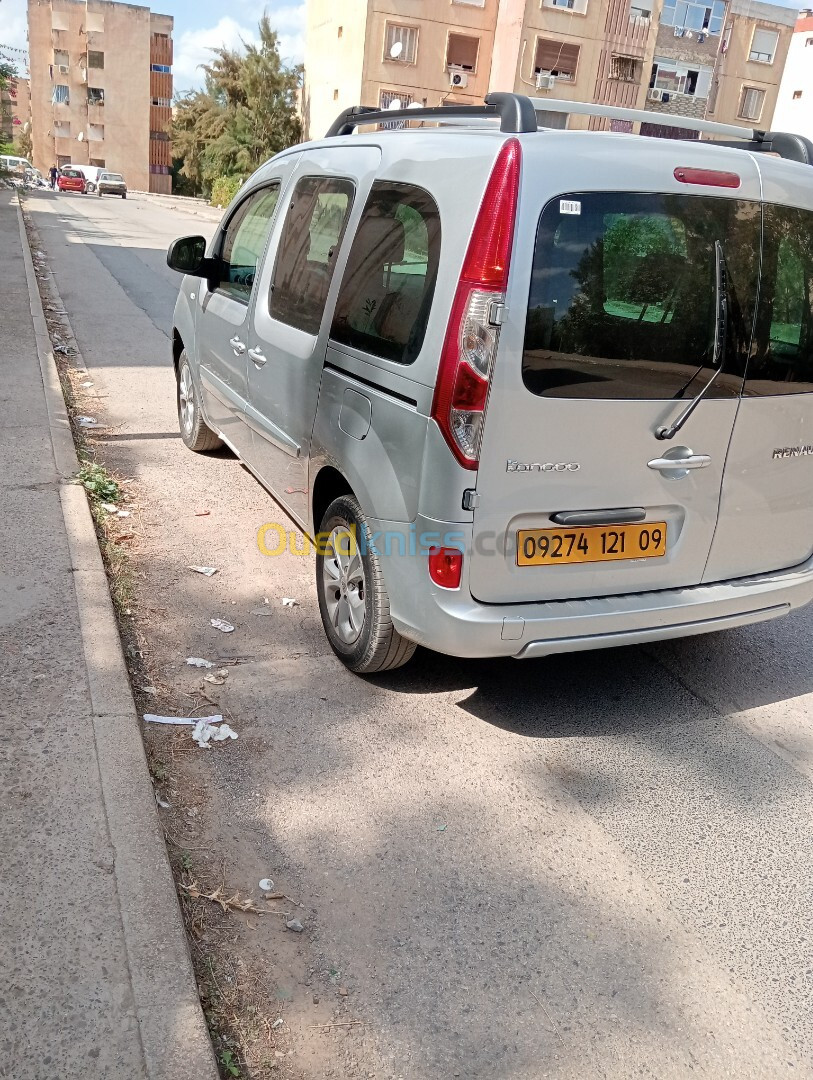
x: 296, y: 289
x: 578, y: 497
x: 766, y: 510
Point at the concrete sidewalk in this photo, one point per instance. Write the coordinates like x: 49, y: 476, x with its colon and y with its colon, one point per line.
x: 96, y: 978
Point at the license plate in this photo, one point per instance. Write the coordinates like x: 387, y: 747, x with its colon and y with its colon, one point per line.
x: 598, y: 543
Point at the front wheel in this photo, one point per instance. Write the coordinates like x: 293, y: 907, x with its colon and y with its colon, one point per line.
x: 195, y: 432
x: 353, y: 599
x: 124, y: 196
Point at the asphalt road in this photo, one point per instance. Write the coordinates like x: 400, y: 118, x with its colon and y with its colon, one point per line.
x: 587, y: 866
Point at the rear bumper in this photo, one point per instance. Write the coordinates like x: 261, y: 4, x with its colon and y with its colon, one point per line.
x: 452, y: 622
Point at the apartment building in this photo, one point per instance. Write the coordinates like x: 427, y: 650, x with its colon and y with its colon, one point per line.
x: 794, y: 107
x: 101, y: 88
x: 720, y: 58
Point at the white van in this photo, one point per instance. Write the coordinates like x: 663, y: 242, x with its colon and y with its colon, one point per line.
x: 17, y: 166
x: 91, y: 174
x: 530, y: 390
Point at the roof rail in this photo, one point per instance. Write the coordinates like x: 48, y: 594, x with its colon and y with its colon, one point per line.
x: 792, y: 147
x: 514, y: 111
x: 518, y: 114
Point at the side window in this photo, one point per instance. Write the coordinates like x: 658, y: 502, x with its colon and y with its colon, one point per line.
x: 387, y: 289
x: 783, y: 355
x: 621, y: 303
x: 307, y: 251
x: 244, y: 241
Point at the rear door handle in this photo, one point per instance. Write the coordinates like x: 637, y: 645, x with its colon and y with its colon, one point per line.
x: 680, y: 464
x: 237, y: 346
x: 257, y: 357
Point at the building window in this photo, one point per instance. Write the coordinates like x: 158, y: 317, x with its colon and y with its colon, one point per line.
x: 159, y: 136
x: 341, y: 31
x: 678, y: 78
x: 161, y: 37
x: 97, y: 163
x: 96, y: 132
x: 797, y: 95
x: 94, y: 22
x: 579, y: 6
x: 62, y: 160
x: 625, y: 69
x: 61, y: 58
x: 809, y: 41
x: 751, y: 103
x: 556, y: 58
x: 401, y: 43
x: 639, y: 11
x: 62, y: 129
x: 159, y: 168
x: 95, y: 95
x: 161, y: 67
x: 702, y: 18
x: 95, y: 59
x: 335, y: 95
x: 763, y: 46
x: 471, y: 3
x: 60, y: 20
x: 461, y: 51
x: 60, y: 95
x: 162, y: 102
x: 388, y: 100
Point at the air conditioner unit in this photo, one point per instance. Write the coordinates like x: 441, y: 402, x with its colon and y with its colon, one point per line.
x: 655, y: 95
x: 63, y: 69
x: 545, y: 81
x: 458, y: 77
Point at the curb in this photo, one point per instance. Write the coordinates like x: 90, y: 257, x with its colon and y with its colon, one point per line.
x: 172, y: 1029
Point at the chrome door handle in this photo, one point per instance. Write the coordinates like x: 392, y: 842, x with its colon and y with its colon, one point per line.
x: 237, y: 346
x: 256, y: 356
x: 680, y: 464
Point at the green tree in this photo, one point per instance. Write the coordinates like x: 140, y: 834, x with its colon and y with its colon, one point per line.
x: 245, y: 113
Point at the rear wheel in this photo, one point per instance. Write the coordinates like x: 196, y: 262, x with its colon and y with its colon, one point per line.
x: 195, y: 432
x: 100, y: 194
x: 353, y: 600
x: 124, y: 196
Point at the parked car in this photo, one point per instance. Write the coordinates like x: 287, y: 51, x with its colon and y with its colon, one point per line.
x: 111, y: 183
x: 70, y: 179
x: 16, y: 166
x: 91, y: 174
x: 530, y: 391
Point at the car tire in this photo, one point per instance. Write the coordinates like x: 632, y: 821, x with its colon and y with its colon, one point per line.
x: 353, y: 599
x: 195, y: 432
x: 124, y: 196
x: 100, y: 194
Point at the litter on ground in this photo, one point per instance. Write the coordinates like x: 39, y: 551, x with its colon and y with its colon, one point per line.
x: 221, y: 624
x: 198, y: 661
x: 288, y: 601
x: 206, y: 570
x: 87, y: 421
x: 218, y: 678
x: 192, y: 721
x: 266, y: 884
x: 204, y: 733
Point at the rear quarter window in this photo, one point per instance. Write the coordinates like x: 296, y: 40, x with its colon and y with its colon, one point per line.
x: 621, y: 302
x: 782, y: 361
x: 387, y: 289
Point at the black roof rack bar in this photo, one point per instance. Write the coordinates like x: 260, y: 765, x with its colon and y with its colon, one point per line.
x: 514, y: 111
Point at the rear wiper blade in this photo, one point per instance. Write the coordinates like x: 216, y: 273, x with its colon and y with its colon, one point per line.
x: 718, y: 353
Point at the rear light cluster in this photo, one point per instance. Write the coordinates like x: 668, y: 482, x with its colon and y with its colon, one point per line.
x: 446, y: 566
x: 470, y: 345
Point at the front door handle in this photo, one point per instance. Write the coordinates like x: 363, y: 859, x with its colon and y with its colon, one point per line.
x: 257, y: 357
x: 237, y: 346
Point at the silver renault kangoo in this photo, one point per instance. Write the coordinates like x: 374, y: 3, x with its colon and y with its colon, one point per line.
x: 526, y: 391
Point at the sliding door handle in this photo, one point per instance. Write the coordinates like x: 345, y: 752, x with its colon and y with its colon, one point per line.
x: 237, y: 346
x: 257, y: 357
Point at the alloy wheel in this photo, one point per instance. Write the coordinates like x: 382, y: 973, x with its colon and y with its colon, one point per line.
x: 344, y: 585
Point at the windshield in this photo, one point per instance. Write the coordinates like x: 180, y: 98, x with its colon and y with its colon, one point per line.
x: 113, y: 176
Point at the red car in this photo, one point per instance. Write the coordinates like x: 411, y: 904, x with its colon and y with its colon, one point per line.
x: 71, y: 180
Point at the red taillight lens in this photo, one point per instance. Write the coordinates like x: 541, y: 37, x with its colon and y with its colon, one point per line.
x: 707, y: 177
x: 446, y: 567
x: 471, y: 339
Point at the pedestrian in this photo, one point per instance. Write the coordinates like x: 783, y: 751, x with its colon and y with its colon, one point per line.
x: 53, y: 172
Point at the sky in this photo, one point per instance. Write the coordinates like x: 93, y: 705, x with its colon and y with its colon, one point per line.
x: 200, y: 25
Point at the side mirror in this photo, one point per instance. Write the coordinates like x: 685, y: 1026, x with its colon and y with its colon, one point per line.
x: 187, y: 255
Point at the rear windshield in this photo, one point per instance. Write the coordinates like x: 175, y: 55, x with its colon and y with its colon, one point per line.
x: 72, y: 173
x: 621, y: 303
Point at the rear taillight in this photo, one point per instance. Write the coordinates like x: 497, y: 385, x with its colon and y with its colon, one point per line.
x: 446, y: 566
x: 470, y: 345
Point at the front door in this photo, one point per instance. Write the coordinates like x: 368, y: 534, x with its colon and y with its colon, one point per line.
x: 223, y: 315
x: 578, y: 497
x: 296, y: 289
x: 766, y: 510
